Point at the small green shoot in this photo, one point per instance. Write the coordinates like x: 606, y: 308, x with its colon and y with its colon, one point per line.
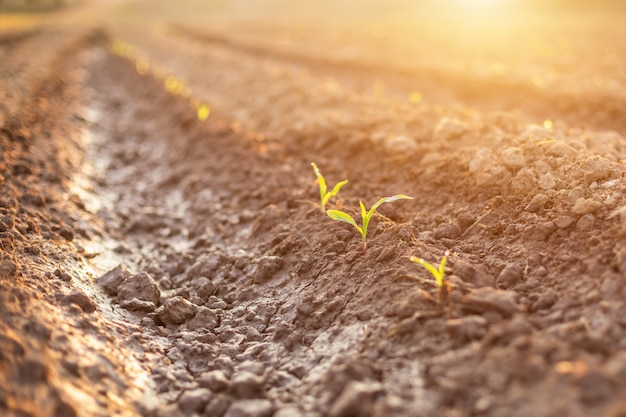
x: 365, y: 215
x: 325, y: 196
x: 438, y: 274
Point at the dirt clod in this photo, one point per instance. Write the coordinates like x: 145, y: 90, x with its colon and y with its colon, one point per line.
x: 140, y: 286
x: 176, y: 310
x: 113, y: 279
x: 80, y: 299
x: 171, y: 139
x: 489, y: 299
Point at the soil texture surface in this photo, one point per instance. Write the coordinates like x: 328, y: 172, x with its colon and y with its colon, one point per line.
x: 164, y: 251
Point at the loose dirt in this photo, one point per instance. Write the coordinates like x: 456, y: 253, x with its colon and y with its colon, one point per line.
x: 164, y: 252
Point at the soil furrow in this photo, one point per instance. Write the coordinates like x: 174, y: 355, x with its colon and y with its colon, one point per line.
x: 64, y: 357
x: 164, y: 252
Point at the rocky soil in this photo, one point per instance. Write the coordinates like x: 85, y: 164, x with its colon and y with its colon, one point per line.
x: 164, y: 252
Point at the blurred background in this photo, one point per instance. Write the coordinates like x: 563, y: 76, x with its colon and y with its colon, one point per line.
x: 393, y: 9
x: 547, y: 58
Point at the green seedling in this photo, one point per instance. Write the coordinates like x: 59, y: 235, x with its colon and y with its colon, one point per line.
x: 365, y: 215
x: 437, y: 273
x: 325, y: 196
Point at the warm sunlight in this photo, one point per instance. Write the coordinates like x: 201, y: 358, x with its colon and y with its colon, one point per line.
x: 479, y: 7
x: 479, y: 4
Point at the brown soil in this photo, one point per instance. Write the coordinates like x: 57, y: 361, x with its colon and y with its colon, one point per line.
x: 156, y: 263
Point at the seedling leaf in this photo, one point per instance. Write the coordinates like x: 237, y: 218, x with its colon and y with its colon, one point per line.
x: 343, y: 217
x: 320, y: 180
x: 325, y: 196
x: 389, y: 200
x: 334, y: 192
x: 365, y: 215
x: 437, y: 273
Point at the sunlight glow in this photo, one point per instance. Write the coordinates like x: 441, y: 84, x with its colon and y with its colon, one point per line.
x: 142, y: 65
x: 173, y: 85
x: 415, y: 97
x: 378, y: 88
x: 475, y: 4
x: 548, y: 124
x: 481, y: 6
x: 203, y: 112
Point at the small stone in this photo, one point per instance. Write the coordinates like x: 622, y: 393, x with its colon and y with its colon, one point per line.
x: 481, y: 160
x: 198, y: 282
x: 66, y: 233
x: 400, y: 145
x: 140, y: 286
x: 250, y: 408
x: 214, y: 380
x: 467, y: 328
x: 560, y: 149
x: 63, y: 276
x: 225, y: 364
x: 546, y: 300
x: 206, y: 290
x: 447, y: 231
x: 253, y: 335
x: 575, y: 193
x: 510, y: 275
x: 357, y: 399
x: 177, y: 310
x: 448, y: 130
x: 136, y: 304
x: 537, y: 203
x: 563, y: 222
x: 586, y: 222
x: 80, y: 299
x: 195, y: 400
x: 513, y: 158
x: 547, y: 182
x: 493, y: 175
x: 585, y: 206
x: 266, y: 268
x: 596, y: 168
x: 524, y: 182
x: 112, y: 279
x: 247, y: 385
x: 205, y: 318
x: 544, y: 229
x: 218, y: 406
x: 489, y: 299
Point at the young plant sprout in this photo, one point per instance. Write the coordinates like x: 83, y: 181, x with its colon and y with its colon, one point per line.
x: 365, y: 215
x: 325, y: 196
x: 438, y: 274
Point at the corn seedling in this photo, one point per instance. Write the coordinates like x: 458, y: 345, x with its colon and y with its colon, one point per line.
x: 325, y: 196
x: 437, y: 273
x: 365, y: 215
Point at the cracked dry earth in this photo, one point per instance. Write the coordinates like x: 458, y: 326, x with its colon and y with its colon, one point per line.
x: 159, y: 262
